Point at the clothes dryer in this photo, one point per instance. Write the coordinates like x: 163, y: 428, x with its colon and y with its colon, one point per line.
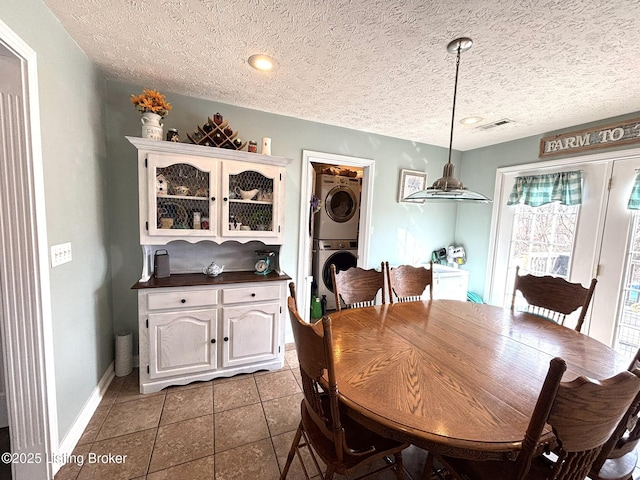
x: 339, y: 214
x: 342, y: 253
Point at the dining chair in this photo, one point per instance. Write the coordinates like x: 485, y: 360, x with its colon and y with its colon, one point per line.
x: 583, y: 413
x: 357, y: 287
x: 341, y: 443
x: 618, y: 458
x: 292, y: 291
x: 553, y: 297
x: 407, y: 283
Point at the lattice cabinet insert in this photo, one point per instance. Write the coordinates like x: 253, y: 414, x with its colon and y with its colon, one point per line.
x: 181, y: 196
x: 195, y: 193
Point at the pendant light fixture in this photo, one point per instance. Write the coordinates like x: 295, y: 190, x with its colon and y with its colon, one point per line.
x: 447, y: 187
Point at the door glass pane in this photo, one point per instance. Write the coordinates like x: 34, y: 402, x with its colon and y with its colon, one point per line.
x: 627, y: 339
x: 542, y: 241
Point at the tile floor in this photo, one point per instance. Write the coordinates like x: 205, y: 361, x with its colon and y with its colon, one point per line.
x: 226, y: 429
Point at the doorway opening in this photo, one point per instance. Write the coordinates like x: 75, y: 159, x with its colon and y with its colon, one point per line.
x: 347, y: 215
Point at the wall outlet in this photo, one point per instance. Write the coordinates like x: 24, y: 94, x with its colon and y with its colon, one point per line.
x: 60, y: 254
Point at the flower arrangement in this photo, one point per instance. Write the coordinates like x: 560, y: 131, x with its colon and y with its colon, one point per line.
x: 151, y: 101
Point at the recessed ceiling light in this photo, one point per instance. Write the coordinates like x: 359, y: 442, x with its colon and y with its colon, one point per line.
x: 471, y: 120
x: 264, y: 63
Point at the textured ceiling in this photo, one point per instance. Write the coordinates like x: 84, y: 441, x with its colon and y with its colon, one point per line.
x: 378, y: 66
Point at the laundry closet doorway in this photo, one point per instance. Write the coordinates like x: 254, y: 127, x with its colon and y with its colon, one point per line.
x: 304, y: 278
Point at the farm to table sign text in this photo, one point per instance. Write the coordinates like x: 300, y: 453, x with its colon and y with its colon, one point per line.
x: 611, y: 135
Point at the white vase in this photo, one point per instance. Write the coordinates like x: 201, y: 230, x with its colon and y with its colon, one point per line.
x: 151, y: 126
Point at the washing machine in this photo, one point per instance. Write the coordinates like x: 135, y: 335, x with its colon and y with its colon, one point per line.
x: 342, y: 253
x: 340, y: 212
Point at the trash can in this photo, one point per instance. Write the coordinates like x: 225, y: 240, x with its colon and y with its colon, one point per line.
x: 124, y: 353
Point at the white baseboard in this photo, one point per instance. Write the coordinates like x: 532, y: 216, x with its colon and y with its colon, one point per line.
x: 71, y: 439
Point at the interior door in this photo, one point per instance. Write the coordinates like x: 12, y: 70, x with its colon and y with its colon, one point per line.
x: 615, y: 306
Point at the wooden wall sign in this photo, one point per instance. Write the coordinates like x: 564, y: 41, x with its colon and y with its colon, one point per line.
x: 611, y: 135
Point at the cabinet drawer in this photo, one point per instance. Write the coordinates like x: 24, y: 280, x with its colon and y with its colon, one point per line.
x: 258, y: 293
x: 196, y: 298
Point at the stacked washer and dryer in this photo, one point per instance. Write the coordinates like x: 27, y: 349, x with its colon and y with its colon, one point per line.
x: 335, y: 234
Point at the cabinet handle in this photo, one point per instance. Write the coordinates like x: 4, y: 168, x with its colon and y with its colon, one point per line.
x: 226, y: 339
x: 183, y: 301
x: 213, y: 199
x: 213, y: 340
x: 253, y: 294
x: 225, y: 199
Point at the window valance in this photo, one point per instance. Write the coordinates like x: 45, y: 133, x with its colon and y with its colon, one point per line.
x: 634, y: 199
x: 537, y: 190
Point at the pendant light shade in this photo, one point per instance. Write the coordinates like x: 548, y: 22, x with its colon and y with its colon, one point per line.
x: 448, y: 187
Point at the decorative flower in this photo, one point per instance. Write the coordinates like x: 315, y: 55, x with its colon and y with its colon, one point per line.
x: 151, y: 101
x: 316, y: 204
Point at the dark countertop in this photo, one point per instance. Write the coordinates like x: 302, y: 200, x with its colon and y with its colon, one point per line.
x: 200, y: 279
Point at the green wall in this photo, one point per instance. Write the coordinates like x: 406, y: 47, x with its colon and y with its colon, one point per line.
x: 400, y: 232
x: 71, y: 92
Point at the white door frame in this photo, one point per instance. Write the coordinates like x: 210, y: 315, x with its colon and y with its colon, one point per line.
x: 501, y: 173
x: 25, y: 321
x: 303, y: 280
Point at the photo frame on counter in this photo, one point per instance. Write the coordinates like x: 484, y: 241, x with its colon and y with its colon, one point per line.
x: 411, y: 181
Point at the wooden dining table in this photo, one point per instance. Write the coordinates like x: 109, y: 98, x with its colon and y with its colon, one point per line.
x: 454, y: 377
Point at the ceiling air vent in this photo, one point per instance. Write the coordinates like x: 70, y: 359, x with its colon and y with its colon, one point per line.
x: 497, y: 123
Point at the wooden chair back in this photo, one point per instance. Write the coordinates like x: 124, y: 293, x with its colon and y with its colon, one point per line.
x: 314, y: 346
x: 553, y: 297
x: 292, y: 291
x: 583, y: 414
x: 340, y: 441
x: 622, y: 442
x: 357, y: 287
x: 407, y: 283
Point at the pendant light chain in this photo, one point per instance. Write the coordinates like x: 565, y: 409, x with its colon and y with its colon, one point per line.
x: 448, y: 187
x: 455, y: 93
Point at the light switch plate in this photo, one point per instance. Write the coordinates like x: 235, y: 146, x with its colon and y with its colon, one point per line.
x: 60, y: 254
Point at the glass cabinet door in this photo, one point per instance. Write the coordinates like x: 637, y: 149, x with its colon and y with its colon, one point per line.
x: 250, y: 200
x: 181, y: 196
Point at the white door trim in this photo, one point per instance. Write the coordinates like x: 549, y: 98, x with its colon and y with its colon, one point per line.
x: 26, y: 327
x: 303, y: 280
x: 501, y: 174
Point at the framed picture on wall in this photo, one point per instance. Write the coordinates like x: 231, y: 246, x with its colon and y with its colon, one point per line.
x: 411, y: 181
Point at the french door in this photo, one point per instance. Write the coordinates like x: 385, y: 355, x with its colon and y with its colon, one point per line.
x: 600, y: 238
x: 616, y: 308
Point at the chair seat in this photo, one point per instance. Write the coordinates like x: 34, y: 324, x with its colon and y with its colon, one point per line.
x: 620, y: 468
x: 358, y: 438
x: 541, y: 468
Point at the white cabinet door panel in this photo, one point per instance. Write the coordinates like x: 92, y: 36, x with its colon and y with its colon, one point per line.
x: 182, y: 342
x: 250, y: 334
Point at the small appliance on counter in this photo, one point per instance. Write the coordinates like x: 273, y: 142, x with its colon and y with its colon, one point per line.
x: 456, y: 256
x: 439, y: 256
x: 265, y: 265
x: 452, y: 256
x: 161, y: 264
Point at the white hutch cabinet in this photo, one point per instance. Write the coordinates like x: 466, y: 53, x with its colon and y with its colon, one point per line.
x: 192, y: 326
